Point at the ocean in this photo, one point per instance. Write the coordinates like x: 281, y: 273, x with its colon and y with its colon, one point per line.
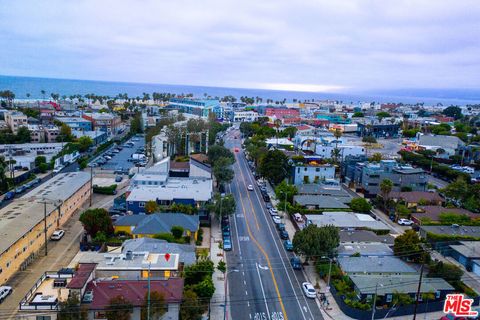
x: 23, y: 85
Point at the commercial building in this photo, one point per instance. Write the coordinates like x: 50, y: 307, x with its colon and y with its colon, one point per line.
x: 327, y: 151
x: 449, y: 144
x: 22, y: 221
x: 105, y: 122
x: 244, y: 116
x: 76, y: 123
x: 282, y: 113
x: 377, y: 129
x: 15, y: 120
x: 200, y: 107
x: 98, y: 137
x: 372, y: 174
x: 346, y: 221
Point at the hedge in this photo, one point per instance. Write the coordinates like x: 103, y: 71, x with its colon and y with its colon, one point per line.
x: 110, y: 190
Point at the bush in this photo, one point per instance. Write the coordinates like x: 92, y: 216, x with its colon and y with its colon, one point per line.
x: 357, y: 304
x: 110, y: 190
x: 177, y: 232
x: 369, y: 139
x: 322, y: 269
x: 360, y: 205
x: 168, y: 237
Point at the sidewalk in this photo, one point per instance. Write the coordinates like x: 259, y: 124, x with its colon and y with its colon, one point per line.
x: 217, y: 309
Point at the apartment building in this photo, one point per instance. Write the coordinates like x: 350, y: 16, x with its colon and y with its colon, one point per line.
x: 15, y: 120
x: 22, y: 221
x: 106, y: 122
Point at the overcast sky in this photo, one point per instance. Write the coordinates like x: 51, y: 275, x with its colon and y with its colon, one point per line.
x: 311, y: 45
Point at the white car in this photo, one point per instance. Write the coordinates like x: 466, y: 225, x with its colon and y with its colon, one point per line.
x: 57, y: 235
x: 309, y: 290
x: 276, y: 219
x: 405, y: 222
x: 273, y: 211
x: 5, y: 291
x: 250, y: 187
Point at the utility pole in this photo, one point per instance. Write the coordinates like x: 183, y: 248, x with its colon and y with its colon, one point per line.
x: 418, y: 291
x: 375, y: 301
x: 91, y: 185
x: 45, y: 225
x: 148, y: 298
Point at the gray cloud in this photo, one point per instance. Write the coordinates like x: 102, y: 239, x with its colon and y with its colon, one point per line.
x: 354, y: 44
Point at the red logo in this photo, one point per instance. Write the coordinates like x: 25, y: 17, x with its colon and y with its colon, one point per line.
x: 459, y: 306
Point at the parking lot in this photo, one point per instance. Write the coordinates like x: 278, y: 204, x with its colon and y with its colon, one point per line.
x: 120, y: 159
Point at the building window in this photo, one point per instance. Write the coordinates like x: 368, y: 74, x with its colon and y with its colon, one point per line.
x: 437, y: 294
x: 141, y: 204
x: 389, y: 298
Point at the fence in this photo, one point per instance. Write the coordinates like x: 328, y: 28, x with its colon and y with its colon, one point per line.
x: 382, y: 313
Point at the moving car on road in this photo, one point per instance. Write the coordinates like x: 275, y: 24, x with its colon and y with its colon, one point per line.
x: 250, y: 187
x: 57, y: 235
x: 405, y: 222
x: 309, y: 290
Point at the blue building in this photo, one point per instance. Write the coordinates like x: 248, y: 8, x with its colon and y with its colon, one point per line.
x: 76, y: 123
x: 200, y: 107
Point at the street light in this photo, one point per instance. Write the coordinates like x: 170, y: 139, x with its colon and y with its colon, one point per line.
x: 56, y: 203
x: 329, y: 270
x: 225, y: 290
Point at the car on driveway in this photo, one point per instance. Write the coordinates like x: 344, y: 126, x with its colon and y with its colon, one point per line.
x: 5, y: 291
x: 309, y: 290
x: 284, y: 235
x: 250, y: 187
x: 405, y: 222
x: 276, y: 219
x: 57, y: 235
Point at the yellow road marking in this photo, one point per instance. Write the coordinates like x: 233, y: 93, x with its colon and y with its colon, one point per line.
x: 260, y: 247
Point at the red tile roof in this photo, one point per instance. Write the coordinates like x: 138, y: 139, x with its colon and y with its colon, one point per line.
x: 134, y: 291
x: 82, y: 275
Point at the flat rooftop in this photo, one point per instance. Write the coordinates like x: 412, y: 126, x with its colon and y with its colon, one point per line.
x: 22, y: 214
x: 139, y: 261
x: 346, y: 220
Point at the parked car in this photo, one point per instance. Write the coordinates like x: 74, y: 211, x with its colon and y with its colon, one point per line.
x: 269, y: 206
x: 37, y: 181
x: 266, y: 198
x: 19, y: 190
x: 309, y: 290
x: 273, y: 211
x: 288, y: 245
x: 284, y: 235
x: 118, y: 179
x: 296, y: 263
x: 281, y: 227
x: 57, y: 235
x: 5, y: 291
x: 226, y: 233
x: 276, y: 219
x: 405, y: 222
x: 250, y: 187
x: 9, y: 195
x: 227, y: 244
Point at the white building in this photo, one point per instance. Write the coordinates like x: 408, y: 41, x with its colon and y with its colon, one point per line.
x: 245, y: 116
x: 304, y: 174
x: 325, y: 151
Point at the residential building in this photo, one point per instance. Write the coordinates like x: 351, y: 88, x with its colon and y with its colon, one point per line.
x: 387, y: 286
x: 346, y: 221
x: 433, y: 213
x: 364, y: 249
x: 327, y: 151
x: 42, y: 134
x: 305, y: 130
x: 105, y: 122
x: 364, y: 236
x: 76, y: 123
x: 244, y: 116
x: 15, y: 120
x: 467, y: 253
x: 401, y: 176
x: 281, y: 143
x: 140, y: 226
x: 186, y: 252
x: 134, y: 292
x: 449, y: 144
x: 469, y: 232
x: 22, y: 221
x: 415, y: 198
x: 282, y: 113
x: 311, y: 171
x: 317, y: 202
x: 197, y: 107
x: 98, y: 137
x: 387, y: 265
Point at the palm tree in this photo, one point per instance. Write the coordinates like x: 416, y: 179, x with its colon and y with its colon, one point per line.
x: 277, y: 124
x: 337, y: 134
x: 386, y: 187
x: 28, y: 95
x: 43, y: 93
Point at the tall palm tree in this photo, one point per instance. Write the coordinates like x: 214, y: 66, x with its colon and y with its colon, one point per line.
x: 277, y: 124
x: 337, y: 134
x: 43, y: 93
x: 386, y: 187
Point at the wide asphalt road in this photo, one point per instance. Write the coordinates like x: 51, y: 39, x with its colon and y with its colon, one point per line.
x: 261, y: 282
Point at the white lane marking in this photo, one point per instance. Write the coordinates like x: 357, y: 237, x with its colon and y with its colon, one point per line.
x: 261, y: 286
x: 250, y: 315
x: 236, y: 228
x: 262, y: 267
x: 246, y: 293
x: 242, y: 164
x: 244, y: 282
x: 304, y: 309
x: 248, y: 304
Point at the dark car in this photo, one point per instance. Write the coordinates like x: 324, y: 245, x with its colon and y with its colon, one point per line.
x: 9, y: 195
x: 281, y: 227
x: 266, y: 198
x: 284, y: 235
x: 226, y: 233
x: 226, y: 227
x: 269, y: 205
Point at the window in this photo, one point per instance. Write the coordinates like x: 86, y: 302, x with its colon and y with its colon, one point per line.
x: 141, y: 204
x: 317, y: 169
x: 389, y: 298
x: 437, y: 294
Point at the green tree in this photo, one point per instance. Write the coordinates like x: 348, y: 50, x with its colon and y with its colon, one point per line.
x: 401, y: 299
x: 283, y: 188
x: 360, y: 205
x: 119, y: 308
x: 3, y: 177
x: 222, y: 267
x: 369, y: 139
x: 222, y: 171
x: 376, y: 157
x: 151, y: 206
x: 274, y: 166
x: 288, y: 132
x: 217, y: 152
x: 23, y: 135
x: 70, y: 309
x: 177, y: 231
x: 447, y: 271
x: 408, y: 245
x: 358, y: 114
x: 386, y: 187
x: 96, y: 220
x: 410, y: 133
x: 158, y: 306
x: 314, y: 242
x: 84, y: 143
x: 65, y: 134
x: 196, y: 272
x: 136, y: 124
x: 453, y: 111
x: 39, y: 160
x: 191, y: 307
x: 223, y: 206
x: 205, y: 289
x: 383, y: 114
